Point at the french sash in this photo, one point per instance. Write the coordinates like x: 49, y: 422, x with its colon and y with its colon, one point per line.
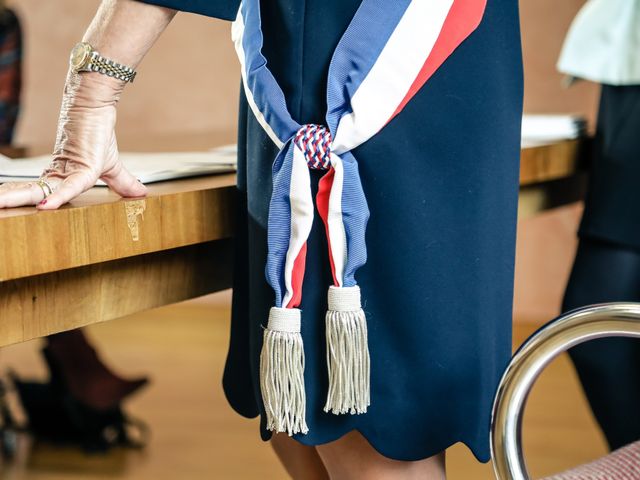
x: 388, y: 52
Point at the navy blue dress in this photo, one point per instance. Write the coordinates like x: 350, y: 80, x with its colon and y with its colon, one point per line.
x: 441, y: 180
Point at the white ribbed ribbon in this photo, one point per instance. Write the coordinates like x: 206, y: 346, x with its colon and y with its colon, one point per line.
x: 344, y: 299
x: 284, y: 320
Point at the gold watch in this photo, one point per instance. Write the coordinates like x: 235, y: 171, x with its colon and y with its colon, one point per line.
x: 85, y: 59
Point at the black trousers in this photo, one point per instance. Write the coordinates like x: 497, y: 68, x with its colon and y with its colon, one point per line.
x: 612, y: 205
x: 609, y: 368
x: 607, y: 265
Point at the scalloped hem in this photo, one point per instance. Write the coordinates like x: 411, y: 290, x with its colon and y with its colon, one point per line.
x: 306, y: 440
x: 426, y: 453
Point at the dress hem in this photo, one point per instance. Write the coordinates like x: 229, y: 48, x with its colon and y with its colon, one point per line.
x: 266, y: 436
x: 421, y: 456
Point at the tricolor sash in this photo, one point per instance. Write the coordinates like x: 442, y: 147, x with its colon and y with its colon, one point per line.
x: 389, y: 50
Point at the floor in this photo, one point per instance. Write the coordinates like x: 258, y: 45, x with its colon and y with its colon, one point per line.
x: 196, y: 435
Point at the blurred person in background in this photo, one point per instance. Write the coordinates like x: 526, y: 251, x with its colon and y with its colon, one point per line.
x: 603, y: 46
x: 10, y: 72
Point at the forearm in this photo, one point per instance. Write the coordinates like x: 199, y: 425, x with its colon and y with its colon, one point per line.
x: 85, y: 147
x: 125, y: 30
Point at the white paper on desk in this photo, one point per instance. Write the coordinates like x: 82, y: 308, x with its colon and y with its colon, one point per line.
x: 148, y: 167
x: 540, y: 129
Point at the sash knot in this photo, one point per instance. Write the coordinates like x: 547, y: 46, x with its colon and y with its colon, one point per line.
x: 315, y: 142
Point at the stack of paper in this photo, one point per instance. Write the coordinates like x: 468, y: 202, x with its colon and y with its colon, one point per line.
x: 157, y: 167
x: 148, y: 167
x: 539, y: 129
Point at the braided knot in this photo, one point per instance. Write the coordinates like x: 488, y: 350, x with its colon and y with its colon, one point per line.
x: 315, y: 142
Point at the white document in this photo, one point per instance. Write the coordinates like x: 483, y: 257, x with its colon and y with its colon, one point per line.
x: 544, y: 129
x: 147, y: 167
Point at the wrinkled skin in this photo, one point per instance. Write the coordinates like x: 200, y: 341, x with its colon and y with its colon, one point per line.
x: 85, y: 149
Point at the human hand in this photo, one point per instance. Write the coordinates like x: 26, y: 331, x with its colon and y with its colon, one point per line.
x: 85, y: 150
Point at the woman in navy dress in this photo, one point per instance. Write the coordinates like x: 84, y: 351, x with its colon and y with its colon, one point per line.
x: 437, y: 286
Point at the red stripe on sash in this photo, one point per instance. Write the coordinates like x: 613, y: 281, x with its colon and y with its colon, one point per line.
x: 463, y: 18
x: 297, y: 276
x: 322, y: 203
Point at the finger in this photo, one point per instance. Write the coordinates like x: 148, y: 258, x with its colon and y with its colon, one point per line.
x: 122, y: 181
x: 20, y: 194
x: 70, y: 188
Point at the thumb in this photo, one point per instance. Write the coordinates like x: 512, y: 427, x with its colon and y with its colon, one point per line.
x: 122, y: 182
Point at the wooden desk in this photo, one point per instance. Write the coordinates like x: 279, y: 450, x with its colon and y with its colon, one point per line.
x: 552, y: 176
x: 104, y: 257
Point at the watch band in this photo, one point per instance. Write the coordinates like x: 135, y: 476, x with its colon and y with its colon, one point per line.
x: 84, y: 58
x: 98, y: 63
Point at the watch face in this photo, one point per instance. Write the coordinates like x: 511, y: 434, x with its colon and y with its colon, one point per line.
x: 80, y: 55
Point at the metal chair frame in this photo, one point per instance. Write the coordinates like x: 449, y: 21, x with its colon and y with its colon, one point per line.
x: 566, y: 331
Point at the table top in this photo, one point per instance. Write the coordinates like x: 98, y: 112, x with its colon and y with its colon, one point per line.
x: 100, y: 226
x: 544, y: 163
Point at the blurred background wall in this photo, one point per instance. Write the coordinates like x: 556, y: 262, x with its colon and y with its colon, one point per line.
x: 189, y: 83
x: 546, y: 243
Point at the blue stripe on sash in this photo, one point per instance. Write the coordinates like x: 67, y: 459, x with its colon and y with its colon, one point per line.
x: 357, y: 52
x: 279, y: 222
x: 266, y: 92
x: 355, y: 213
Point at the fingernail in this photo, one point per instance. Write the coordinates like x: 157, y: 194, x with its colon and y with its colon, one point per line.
x: 42, y: 202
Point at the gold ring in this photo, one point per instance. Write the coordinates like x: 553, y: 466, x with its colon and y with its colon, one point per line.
x: 45, y: 186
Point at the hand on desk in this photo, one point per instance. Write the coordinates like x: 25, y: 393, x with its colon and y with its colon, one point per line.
x: 85, y: 150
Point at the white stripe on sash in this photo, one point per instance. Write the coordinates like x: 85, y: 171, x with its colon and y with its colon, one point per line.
x: 337, y: 235
x: 392, y: 75
x: 301, y: 216
x: 237, y: 34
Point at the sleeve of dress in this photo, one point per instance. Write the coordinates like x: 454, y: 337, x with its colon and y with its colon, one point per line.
x: 223, y: 9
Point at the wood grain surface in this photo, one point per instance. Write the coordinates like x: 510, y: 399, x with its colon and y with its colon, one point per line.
x: 39, y: 305
x: 544, y: 163
x: 102, y: 257
x: 100, y: 226
x: 197, y: 436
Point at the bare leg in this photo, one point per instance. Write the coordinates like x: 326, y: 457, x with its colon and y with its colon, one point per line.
x: 352, y: 457
x: 300, y: 461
